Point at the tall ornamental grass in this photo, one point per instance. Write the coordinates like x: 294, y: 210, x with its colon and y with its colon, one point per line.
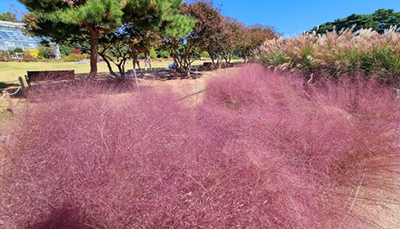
x: 263, y: 150
x: 336, y: 54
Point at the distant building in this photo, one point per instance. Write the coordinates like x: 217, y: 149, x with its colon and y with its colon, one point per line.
x: 11, y: 37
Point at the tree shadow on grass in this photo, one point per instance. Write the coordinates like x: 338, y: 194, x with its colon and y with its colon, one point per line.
x: 5, y: 85
x: 103, y: 84
x: 81, y: 89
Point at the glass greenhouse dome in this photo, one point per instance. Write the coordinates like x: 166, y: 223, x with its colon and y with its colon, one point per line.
x: 11, y: 37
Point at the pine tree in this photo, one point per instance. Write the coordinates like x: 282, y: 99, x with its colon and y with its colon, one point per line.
x: 64, y: 19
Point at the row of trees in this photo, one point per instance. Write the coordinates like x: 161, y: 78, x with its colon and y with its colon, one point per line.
x: 221, y: 36
x: 380, y: 20
x: 126, y: 28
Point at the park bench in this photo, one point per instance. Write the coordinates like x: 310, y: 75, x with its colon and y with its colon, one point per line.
x: 49, y: 76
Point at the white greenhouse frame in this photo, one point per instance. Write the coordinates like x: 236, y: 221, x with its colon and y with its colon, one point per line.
x: 11, y: 37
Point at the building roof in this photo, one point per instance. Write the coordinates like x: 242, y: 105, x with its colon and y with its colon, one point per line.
x: 7, y: 24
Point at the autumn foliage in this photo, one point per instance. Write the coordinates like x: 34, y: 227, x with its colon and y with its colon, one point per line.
x: 75, y: 51
x: 263, y: 150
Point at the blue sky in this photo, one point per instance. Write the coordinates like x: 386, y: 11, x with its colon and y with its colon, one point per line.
x: 11, y: 5
x: 295, y: 16
x: 288, y: 16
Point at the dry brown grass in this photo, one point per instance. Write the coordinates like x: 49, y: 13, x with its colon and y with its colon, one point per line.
x: 336, y: 53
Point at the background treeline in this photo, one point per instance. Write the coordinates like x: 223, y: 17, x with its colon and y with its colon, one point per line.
x: 379, y: 21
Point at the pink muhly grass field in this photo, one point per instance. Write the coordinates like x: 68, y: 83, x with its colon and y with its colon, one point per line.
x: 263, y: 150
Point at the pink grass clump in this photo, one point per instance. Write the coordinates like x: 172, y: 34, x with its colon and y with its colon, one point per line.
x: 334, y: 137
x: 263, y: 150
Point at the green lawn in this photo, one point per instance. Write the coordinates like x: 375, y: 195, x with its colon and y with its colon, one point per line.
x: 9, y: 72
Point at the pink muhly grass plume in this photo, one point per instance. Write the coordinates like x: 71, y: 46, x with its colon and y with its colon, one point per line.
x: 334, y: 136
x: 263, y: 150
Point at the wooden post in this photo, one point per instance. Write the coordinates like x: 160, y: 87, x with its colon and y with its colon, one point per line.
x: 10, y: 102
x: 21, y: 82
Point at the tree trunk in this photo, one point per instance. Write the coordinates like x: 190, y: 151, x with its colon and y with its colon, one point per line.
x: 136, y: 62
x: 221, y: 61
x: 212, y: 58
x: 121, y: 68
x: 108, y: 64
x: 94, y: 43
x: 145, y: 62
x: 151, y: 68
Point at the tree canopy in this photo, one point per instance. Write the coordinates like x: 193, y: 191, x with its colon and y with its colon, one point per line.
x: 379, y: 21
x: 220, y: 36
x: 65, y: 19
x: 7, y: 16
x: 122, y: 28
x: 182, y: 49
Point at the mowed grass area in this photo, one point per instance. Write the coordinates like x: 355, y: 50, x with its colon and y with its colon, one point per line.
x: 10, y: 71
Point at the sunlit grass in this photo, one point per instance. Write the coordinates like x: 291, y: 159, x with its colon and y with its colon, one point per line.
x: 10, y: 71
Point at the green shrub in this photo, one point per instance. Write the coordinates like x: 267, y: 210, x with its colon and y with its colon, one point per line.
x: 74, y: 57
x: 46, y: 52
x: 18, y: 50
x: 163, y: 54
x: 205, y: 54
x: 64, y: 49
x: 153, y: 54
